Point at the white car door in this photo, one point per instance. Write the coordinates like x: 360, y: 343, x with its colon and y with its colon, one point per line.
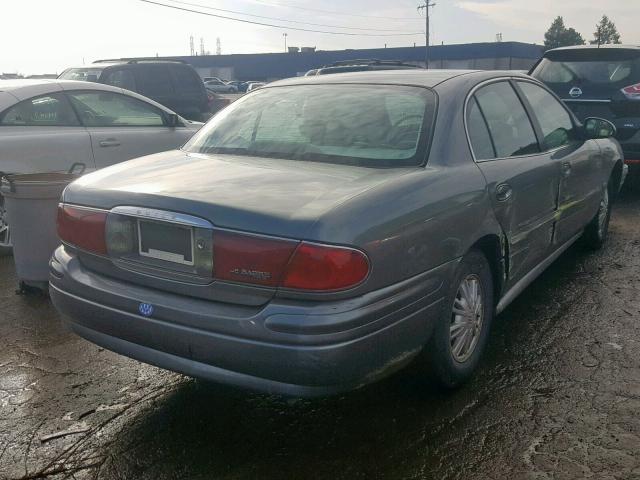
x: 123, y: 127
x: 43, y: 134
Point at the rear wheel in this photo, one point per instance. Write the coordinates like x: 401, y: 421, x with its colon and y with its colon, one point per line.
x: 596, y: 233
x: 460, y: 335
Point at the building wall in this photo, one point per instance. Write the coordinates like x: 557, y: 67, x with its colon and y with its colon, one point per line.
x: 271, y: 66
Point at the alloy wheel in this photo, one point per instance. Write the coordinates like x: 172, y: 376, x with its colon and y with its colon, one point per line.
x: 466, y: 318
x: 603, y: 213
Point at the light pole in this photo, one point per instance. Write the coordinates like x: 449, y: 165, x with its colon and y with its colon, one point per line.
x: 427, y: 5
x: 285, y: 35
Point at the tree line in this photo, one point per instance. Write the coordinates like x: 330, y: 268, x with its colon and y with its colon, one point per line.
x: 559, y: 35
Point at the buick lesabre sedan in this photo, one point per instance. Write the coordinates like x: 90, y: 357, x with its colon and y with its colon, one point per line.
x: 322, y: 232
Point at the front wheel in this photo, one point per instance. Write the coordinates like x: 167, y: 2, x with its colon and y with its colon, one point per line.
x: 596, y: 233
x: 461, y: 334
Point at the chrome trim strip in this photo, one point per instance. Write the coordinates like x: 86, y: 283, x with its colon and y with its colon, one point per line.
x: 525, y: 281
x: 580, y: 100
x: 163, y: 216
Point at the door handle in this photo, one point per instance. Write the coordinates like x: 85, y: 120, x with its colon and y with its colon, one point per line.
x: 109, y: 142
x: 504, y: 192
x: 566, y: 170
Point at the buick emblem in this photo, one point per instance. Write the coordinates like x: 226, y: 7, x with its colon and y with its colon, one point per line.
x: 575, y: 92
x: 145, y: 309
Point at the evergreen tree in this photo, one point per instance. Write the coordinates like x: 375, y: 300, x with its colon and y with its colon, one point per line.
x: 606, y: 32
x: 559, y: 35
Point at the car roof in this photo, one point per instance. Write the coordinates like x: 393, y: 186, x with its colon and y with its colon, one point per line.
x: 421, y: 77
x: 24, y: 89
x: 20, y: 88
x: 635, y: 48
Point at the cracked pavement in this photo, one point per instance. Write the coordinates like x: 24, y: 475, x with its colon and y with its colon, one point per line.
x: 556, y: 397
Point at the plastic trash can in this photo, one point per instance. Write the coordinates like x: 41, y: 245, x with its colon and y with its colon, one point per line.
x: 31, y: 203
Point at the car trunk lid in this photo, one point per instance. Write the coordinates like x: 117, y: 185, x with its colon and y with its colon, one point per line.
x: 269, y: 197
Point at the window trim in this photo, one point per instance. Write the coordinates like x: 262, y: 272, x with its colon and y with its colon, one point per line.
x: 471, y: 94
x: 163, y: 114
x: 59, y: 93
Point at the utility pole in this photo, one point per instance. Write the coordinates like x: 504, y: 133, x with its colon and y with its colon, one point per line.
x: 427, y: 5
x: 193, y: 48
x: 285, y: 35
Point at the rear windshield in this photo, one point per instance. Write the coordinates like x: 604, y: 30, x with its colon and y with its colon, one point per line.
x: 373, y: 125
x: 82, y: 74
x: 589, y: 67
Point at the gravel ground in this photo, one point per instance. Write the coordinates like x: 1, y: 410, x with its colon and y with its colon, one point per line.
x: 557, y: 397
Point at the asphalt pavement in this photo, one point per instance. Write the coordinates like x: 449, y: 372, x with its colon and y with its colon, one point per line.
x: 557, y: 397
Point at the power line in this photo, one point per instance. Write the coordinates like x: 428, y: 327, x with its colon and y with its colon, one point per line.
x: 242, y: 20
x: 331, y: 12
x: 207, y: 7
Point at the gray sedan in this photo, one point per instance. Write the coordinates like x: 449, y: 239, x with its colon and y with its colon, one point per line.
x: 323, y: 232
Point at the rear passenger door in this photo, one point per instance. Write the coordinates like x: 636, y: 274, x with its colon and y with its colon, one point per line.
x: 580, y: 161
x: 522, y: 181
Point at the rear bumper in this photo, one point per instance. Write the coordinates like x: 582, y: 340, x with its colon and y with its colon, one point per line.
x: 298, y: 349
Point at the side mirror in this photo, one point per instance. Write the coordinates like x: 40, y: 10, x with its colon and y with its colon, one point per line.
x: 172, y: 120
x: 595, y: 127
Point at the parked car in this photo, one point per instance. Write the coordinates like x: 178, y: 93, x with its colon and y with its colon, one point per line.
x: 254, y: 86
x: 48, y: 125
x: 599, y: 81
x: 240, y: 86
x: 361, y: 65
x: 176, y: 85
x: 218, y: 86
x: 324, y: 231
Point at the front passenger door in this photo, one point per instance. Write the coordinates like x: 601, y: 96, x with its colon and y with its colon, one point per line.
x: 521, y: 180
x: 123, y: 127
x: 580, y: 162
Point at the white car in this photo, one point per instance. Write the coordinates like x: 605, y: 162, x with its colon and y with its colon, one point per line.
x: 218, y: 86
x: 48, y: 125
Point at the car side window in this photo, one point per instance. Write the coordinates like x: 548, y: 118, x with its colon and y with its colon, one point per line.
x: 121, y: 79
x: 479, y: 135
x: 155, y: 81
x: 187, y: 80
x: 52, y: 110
x: 508, y: 122
x: 555, y: 122
x: 108, y: 109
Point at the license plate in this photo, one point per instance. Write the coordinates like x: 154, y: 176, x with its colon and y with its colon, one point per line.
x: 166, y: 241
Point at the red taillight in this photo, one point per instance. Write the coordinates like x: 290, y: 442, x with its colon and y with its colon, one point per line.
x: 632, y: 91
x: 82, y: 228
x: 286, y: 263
x: 323, y: 267
x: 250, y: 259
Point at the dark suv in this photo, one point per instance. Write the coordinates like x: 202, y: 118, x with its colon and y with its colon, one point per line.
x: 174, y: 84
x: 361, y: 66
x: 599, y: 82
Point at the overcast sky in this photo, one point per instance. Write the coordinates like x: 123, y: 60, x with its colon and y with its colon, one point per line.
x: 44, y: 36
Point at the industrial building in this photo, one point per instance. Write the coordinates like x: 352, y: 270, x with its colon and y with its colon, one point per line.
x: 272, y: 66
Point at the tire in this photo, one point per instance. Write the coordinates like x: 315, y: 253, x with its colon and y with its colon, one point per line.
x: 596, y: 233
x: 5, y: 251
x: 446, y: 366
